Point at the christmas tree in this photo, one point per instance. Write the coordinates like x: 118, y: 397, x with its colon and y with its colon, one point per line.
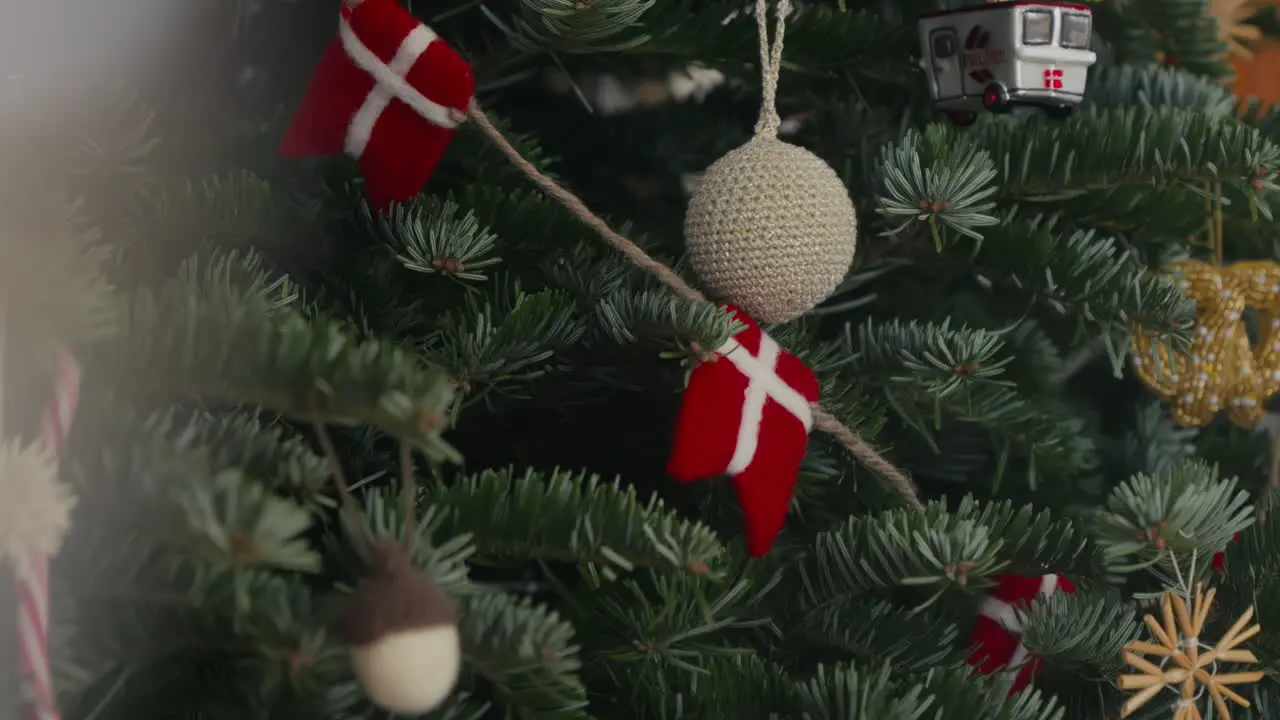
x: 258, y: 331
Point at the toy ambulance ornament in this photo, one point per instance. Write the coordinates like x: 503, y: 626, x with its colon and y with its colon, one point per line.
x: 995, y: 56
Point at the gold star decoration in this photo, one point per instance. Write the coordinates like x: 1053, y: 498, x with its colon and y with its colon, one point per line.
x: 1179, y: 644
x: 1220, y: 371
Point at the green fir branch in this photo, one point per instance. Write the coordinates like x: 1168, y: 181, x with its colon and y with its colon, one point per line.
x: 744, y: 686
x: 499, y: 344
x: 572, y: 517
x: 869, y: 630
x: 51, y: 271
x: 630, y: 316
x: 1159, y: 86
x: 444, y: 557
x: 232, y: 275
x: 1097, y: 150
x: 212, y: 340
x: 435, y: 237
x: 821, y: 39
x: 1082, y: 274
x: 1180, y: 30
x: 846, y: 393
x: 563, y: 247
x: 959, y: 694
x: 1084, y: 631
x: 235, y: 210
x: 859, y: 693
x: 564, y: 26
x: 941, y: 360
x: 1155, y: 444
x: 1251, y: 567
x: 845, y: 691
x: 609, y: 279
x: 1262, y: 115
x: 938, y: 179
x: 1170, y: 517
x: 237, y: 522
x: 929, y: 373
x: 475, y: 160
x: 118, y: 143
x: 282, y: 461
x: 525, y: 653
x: 941, y: 549
x: 217, y: 633
x: 653, y: 631
x: 1254, y: 559
x: 460, y: 706
x: 1096, y: 168
x: 232, y: 518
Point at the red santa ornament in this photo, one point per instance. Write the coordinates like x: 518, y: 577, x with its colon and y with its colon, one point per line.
x: 997, y: 634
x: 390, y: 93
x: 747, y: 415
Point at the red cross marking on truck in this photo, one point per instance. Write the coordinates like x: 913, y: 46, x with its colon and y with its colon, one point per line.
x: 1053, y: 79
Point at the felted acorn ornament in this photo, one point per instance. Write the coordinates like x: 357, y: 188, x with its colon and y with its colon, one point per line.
x: 403, y: 633
x: 770, y: 227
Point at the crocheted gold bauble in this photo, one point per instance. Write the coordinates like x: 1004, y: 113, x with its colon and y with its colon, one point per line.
x: 771, y: 229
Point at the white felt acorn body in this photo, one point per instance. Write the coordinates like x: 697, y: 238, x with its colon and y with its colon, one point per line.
x: 403, y: 633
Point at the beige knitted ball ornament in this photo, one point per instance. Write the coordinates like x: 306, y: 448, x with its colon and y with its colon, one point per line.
x: 770, y: 227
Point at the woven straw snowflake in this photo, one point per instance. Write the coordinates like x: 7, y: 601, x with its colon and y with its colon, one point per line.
x: 1194, y: 663
x: 1233, y: 26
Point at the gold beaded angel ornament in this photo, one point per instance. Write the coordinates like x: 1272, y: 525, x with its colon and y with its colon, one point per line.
x: 1222, y: 371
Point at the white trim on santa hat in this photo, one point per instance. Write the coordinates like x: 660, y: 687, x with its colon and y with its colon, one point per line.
x: 763, y: 384
x: 389, y: 83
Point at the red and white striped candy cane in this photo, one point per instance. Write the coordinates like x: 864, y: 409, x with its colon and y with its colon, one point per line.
x: 33, y: 572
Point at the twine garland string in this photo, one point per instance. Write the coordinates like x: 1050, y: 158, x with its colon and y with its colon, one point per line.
x: 769, y: 122
x: 770, y: 65
x: 770, y: 227
x: 860, y: 449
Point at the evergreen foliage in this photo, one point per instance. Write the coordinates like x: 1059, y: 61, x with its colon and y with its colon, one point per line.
x: 227, y: 302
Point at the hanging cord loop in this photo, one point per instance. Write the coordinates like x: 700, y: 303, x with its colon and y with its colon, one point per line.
x: 770, y: 64
x: 859, y: 449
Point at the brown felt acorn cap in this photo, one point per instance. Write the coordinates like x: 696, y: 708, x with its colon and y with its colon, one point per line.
x: 394, y: 597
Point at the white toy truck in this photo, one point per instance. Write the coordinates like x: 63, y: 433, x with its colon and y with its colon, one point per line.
x: 995, y: 56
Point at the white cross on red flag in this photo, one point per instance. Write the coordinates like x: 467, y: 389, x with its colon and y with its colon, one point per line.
x: 747, y: 415
x: 996, y: 640
x: 389, y: 92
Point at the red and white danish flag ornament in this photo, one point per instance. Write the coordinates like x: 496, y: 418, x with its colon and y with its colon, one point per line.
x: 389, y: 92
x: 997, y: 635
x: 747, y: 415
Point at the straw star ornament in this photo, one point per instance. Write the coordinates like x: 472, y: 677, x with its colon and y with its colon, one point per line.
x: 1194, y: 664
